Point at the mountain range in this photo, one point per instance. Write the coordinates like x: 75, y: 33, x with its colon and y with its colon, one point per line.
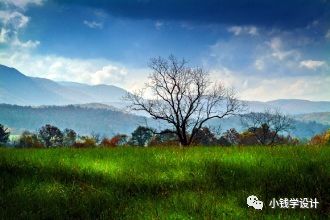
x: 30, y: 102
x: 97, y: 118
x: 17, y: 88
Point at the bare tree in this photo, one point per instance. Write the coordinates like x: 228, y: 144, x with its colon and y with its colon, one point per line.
x: 267, y: 125
x: 184, y: 97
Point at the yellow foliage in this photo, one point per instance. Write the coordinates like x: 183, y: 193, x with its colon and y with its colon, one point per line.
x: 321, y: 139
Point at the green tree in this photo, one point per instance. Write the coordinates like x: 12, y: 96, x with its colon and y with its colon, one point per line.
x: 141, y: 136
x: 205, y: 137
x: 51, y: 136
x: 4, y: 134
x: 69, y: 137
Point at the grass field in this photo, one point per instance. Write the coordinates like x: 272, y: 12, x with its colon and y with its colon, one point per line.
x: 167, y: 183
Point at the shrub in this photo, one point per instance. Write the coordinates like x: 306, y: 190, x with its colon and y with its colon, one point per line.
x: 85, y: 142
x: 321, y: 139
x: 165, y: 138
x: 106, y: 142
x: 248, y: 138
x: 29, y: 140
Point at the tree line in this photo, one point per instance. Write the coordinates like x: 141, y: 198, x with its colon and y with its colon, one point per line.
x: 50, y: 136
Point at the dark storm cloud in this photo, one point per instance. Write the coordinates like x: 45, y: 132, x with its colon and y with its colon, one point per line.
x: 285, y: 14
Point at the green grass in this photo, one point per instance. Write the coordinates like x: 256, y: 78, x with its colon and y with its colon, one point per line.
x: 166, y: 183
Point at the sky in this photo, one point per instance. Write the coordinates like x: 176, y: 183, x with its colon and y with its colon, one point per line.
x: 264, y: 49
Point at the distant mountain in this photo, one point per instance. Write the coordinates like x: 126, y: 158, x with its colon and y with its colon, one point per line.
x: 105, y: 120
x: 302, y: 129
x: 291, y: 106
x: 320, y: 117
x: 16, y: 88
x: 84, y: 119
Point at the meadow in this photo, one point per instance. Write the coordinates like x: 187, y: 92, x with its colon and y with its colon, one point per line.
x: 162, y: 183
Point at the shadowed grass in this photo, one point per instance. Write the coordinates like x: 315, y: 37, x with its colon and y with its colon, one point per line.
x: 166, y: 183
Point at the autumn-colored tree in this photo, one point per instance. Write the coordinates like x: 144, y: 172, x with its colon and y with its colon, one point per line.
x: 85, y: 142
x: 321, y: 139
x: 117, y: 140
x: 29, y: 140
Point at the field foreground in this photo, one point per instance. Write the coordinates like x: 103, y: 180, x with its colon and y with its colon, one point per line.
x: 162, y: 183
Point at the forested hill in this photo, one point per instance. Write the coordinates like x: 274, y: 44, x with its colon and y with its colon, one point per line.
x: 106, y: 120
x: 83, y: 119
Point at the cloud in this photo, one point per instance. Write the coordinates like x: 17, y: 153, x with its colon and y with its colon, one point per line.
x: 27, y: 44
x: 252, y: 87
x: 109, y: 73
x: 159, y: 25
x: 327, y: 35
x: 312, y: 64
x: 3, y: 35
x: 93, y: 24
x: 13, y: 19
x: 278, y: 50
x: 272, y: 66
x: 22, y: 3
x: 90, y: 71
x: 259, y: 64
x: 239, y: 30
x: 12, y: 22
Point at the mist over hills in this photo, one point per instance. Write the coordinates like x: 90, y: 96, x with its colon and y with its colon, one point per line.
x: 105, y: 120
x: 291, y: 106
x: 83, y: 119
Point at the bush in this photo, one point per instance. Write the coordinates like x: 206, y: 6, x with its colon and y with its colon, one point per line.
x: 29, y: 140
x: 321, y: 139
x: 85, y: 142
x: 165, y: 138
x: 117, y: 140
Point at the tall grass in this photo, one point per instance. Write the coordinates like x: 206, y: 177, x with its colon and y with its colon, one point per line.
x: 162, y: 183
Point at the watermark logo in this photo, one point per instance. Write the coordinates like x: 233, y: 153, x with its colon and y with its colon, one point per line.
x: 254, y: 202
x: 292, y: 203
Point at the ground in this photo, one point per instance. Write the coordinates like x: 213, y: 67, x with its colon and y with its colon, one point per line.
x: 162, y: 183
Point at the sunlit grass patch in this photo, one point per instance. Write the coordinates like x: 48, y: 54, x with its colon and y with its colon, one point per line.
x: 161, y: 183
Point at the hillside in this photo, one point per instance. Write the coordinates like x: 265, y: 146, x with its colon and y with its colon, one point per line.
x: 290, y: 106
x: 319, y: 117
x: 107, y: 120
x: 82, y: 118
